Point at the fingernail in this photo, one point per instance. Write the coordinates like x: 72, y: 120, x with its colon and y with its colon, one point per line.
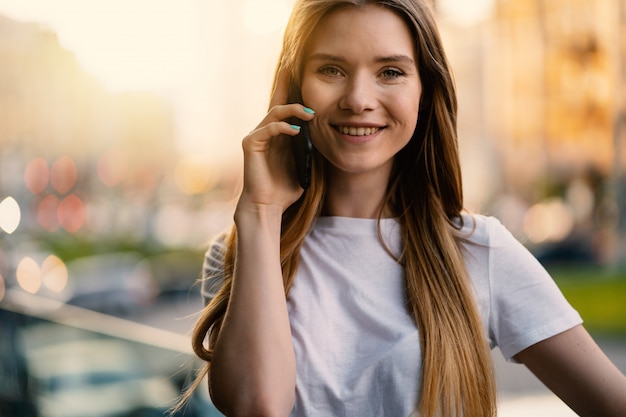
x: 310, y: 111
x: 295, y: 127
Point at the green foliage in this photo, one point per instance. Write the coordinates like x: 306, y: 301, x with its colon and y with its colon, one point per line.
x: 598, y: 295
x: 71, y: 247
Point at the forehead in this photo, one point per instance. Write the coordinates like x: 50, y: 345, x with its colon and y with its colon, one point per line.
x: 360, y: 29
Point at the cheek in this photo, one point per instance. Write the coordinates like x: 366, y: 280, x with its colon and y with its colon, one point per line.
x: 405, y: 112
x: 312, y: 95
x: 408, y: 109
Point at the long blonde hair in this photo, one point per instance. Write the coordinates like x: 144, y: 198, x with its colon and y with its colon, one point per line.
x: 425, y: 194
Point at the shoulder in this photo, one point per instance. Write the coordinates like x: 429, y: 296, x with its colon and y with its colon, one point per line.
x: 488, y: 240
x: 483, y: 230
x: 520, y: 303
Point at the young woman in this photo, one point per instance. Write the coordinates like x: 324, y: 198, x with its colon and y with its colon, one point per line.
x: 372, y: 293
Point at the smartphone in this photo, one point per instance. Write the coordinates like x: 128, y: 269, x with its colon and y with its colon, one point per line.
x: 303, y: 154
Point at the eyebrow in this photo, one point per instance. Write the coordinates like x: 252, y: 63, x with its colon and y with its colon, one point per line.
x: 382, y: 59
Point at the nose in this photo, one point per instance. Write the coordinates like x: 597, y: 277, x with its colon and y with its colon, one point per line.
x: 359, y: 94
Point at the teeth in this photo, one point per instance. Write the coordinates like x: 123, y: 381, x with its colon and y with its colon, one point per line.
x: 358, y: 131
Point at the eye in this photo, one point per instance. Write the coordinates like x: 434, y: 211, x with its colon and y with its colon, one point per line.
x: 391, y: 73
x: 329, y: 71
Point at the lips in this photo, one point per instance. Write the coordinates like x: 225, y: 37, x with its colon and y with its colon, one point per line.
x: 357, y: 131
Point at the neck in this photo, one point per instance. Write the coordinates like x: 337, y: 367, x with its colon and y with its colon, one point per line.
x: 353, y: 195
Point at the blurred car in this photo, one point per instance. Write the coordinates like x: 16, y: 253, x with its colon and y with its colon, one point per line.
x: 49, y: 368
x: 112, y: 283
x: 177, y: 274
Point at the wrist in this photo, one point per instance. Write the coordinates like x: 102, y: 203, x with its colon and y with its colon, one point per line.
x: 258, y: 215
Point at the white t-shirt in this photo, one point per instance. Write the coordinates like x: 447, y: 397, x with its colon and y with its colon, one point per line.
x: 357, y: 348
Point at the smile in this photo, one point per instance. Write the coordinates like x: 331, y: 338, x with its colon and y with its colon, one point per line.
x: 357, y: 131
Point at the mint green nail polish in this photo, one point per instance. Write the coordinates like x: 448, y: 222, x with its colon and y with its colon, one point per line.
x: 295, y: 127
x: 310, y: 111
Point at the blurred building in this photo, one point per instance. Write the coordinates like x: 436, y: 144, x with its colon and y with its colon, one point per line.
x: 558, y: 67
x: 65, y: 138
x: 541, y: 98
x: 50, y: 105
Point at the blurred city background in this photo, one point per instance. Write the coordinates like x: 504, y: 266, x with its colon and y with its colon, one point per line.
x: 120, y: 130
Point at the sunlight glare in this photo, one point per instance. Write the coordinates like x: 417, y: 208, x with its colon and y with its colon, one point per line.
x: 129, y: 45
x: 262, y: 18
x: 465, y: 12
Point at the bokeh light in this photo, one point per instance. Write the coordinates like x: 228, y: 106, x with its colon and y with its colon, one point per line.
x: 63, y: 174
x: 10, y: 215
x: 194, y: 176
x: 71, y: 213
x: 36, y: 175
x: 112, y: 167
x: 54, y: 275
x: 549, y: 221
x: 28, y: 275
x: 47, y: 213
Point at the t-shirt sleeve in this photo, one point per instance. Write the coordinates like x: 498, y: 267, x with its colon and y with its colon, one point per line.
x: 526, y: 304
x: 213, y: 269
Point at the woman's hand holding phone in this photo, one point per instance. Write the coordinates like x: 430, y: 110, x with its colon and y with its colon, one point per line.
x: 270, y: 176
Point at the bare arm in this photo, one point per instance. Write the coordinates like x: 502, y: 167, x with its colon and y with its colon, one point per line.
x: 253, y: 369
x: 573, y: 366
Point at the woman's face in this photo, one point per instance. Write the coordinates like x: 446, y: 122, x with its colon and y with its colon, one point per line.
x: 361, y: 78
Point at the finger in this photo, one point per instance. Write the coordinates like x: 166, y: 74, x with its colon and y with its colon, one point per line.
x: 259, y: 139
x: 280, y: 95
x: 273, y: 129
x: 289, y: 110
x: 278, y: 128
